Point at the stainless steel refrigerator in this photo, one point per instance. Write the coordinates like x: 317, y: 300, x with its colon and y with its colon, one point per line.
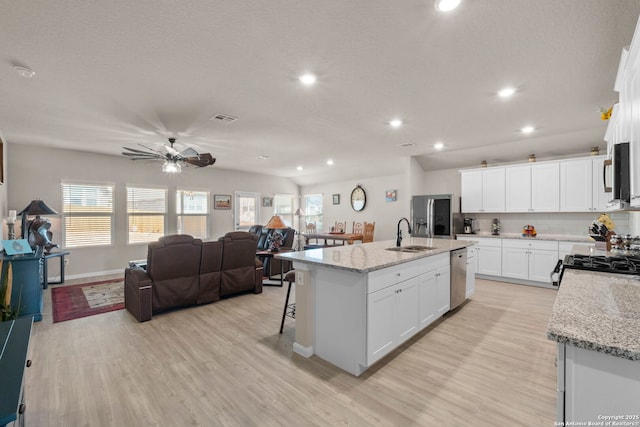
x: 431, y: 216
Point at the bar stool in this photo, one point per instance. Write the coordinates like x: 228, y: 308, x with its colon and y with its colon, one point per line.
x: 289, y: 309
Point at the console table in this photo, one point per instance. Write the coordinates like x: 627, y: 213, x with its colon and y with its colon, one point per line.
x: 14, y: 347
x: 26, y: 292
x: 46, y: 257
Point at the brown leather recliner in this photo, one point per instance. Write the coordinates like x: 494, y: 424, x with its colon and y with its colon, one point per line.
x: 239, y: 263
x: 184, y: 271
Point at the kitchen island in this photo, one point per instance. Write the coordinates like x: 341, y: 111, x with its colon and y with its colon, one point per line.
x: 596, y: 322
x: 355, y: 304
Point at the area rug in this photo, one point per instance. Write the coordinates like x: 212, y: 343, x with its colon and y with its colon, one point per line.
x: 87, y: 299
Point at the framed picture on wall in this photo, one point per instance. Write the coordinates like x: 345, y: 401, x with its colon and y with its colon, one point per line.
x: 221, y: 201
x: 336, y: 199
x: 267, y: 202
x: 391, y: 195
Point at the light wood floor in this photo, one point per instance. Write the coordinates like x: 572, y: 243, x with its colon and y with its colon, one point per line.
x: 225, y: 364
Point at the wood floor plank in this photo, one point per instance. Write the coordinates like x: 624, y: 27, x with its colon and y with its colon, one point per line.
x: 225, y: 364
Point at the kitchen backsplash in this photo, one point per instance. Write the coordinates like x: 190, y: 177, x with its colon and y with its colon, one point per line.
x: 569, y: 224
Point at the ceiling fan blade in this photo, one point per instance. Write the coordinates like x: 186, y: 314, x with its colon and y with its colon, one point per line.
x: 135, y: 150
x: 204, y: 159
x: 172, y: 151
x: 189, y: 152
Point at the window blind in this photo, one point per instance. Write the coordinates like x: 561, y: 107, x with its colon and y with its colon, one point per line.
x: 146, y: 214
x: 283, y: 206
x: 192, y: 209
x: 87, y: 212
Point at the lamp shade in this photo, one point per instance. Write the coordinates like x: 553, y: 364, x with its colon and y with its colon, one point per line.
x: 276, y: 222
x: 38, y: 207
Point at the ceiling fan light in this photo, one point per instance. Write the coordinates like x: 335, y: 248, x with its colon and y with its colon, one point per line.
x: 171, y: 167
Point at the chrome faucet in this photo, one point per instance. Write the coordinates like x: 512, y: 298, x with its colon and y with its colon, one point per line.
x: 399, y: 238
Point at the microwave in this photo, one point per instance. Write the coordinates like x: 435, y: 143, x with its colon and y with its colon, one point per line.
x: 621, y: 189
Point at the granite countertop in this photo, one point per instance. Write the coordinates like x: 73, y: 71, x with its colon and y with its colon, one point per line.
x: 558, y: 237
x: 372, y: 256
x: 599, y: 312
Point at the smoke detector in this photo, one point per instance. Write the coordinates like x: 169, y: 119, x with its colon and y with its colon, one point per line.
x: 24, y: 72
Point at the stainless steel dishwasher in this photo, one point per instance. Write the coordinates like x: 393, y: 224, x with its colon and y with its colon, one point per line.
x: 458, y: 277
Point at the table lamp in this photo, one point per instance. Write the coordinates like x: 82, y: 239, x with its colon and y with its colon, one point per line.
x: 276, y: 238
x: 37, y: 232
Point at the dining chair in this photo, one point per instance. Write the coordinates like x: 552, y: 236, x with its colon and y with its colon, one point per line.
x: 367, y: 235
x: 310, y: 228
x: 357, y: 228
x: 340, y: 227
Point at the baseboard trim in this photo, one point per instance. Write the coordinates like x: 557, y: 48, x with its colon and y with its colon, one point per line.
x: 302, y: 351
x: 92, y: 274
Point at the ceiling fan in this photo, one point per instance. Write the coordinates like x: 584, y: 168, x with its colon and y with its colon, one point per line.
x: 171, y: 156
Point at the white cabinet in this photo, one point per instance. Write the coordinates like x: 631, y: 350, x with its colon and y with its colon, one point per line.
x: 529, y: 260
x: 592, y: 384
x: 435, y: 295
x: 392, y: 317
x: 483, y: 190
x: 634, y: 146
x: 487, y: 254
x: 533, y: 187
x: 576, y: 178
x: 545, y: 187
x: 403, y: 299
x: 471, y: 271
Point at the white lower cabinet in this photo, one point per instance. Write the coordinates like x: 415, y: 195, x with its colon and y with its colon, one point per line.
x: 529, y: 260
x: 488, y: 255
x: 566, y: 248
x: 471, y: 272
x: 398, y: 311
x: 435, y: 295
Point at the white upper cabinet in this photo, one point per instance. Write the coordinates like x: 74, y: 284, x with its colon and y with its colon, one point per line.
x: 576, y: 182
x: 518, y: 188
x: 483, y: 190
x: 493, y: 183
x: 545, y: 187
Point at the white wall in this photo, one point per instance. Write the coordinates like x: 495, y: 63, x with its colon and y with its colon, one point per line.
x: 384, y: 214
x: 4, y: 211
x: 37, y: 173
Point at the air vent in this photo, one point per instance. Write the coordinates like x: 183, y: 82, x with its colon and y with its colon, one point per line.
x: 407, y: 144
x: 225, y: 118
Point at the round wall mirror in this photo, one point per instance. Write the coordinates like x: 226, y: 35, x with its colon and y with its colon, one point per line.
x: 358, y: 198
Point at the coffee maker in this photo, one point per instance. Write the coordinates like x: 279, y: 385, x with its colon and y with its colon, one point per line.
x: 467, y: 227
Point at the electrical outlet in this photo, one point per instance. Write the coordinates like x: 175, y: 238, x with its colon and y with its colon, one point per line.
x: 300, y: 278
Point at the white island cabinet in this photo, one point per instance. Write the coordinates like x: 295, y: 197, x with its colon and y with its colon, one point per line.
x: 368, y: 300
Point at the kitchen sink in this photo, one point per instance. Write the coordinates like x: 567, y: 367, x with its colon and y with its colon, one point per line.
x: 414, y: 248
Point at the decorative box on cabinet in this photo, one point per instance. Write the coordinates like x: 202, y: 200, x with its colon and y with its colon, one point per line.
x: 14, y: 336
x: 26, y: 294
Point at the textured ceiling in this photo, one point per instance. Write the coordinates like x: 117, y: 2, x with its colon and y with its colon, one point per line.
x: 122, y: 72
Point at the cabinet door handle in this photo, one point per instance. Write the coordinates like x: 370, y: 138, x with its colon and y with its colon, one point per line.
x: 29, y: 363
x: 22, y: 408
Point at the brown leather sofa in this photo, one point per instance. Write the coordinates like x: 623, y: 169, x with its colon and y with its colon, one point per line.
x: 184, y: 271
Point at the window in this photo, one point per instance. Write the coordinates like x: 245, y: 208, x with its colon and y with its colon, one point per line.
x: 146, y: 212
x: 192, y: 208
x: 283, y: 206
x: 313, y: 210
x: 87, y: 214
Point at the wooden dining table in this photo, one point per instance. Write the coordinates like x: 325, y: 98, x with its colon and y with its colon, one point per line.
x: 345, y: 237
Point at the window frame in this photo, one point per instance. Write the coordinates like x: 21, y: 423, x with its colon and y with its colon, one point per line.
x: 318, y: 221
x: 287, y: 217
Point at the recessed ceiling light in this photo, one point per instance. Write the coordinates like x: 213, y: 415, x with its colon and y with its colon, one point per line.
x: 506, y: 92
x: 330, y: 162
x: 308, y: 79
x: 299, y: 168
x: 25, y: 72
x: 446, y: 5
x: 262, y: 157
x: 395, y: 123
x: 527, y: 129
x: 438, y: 145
